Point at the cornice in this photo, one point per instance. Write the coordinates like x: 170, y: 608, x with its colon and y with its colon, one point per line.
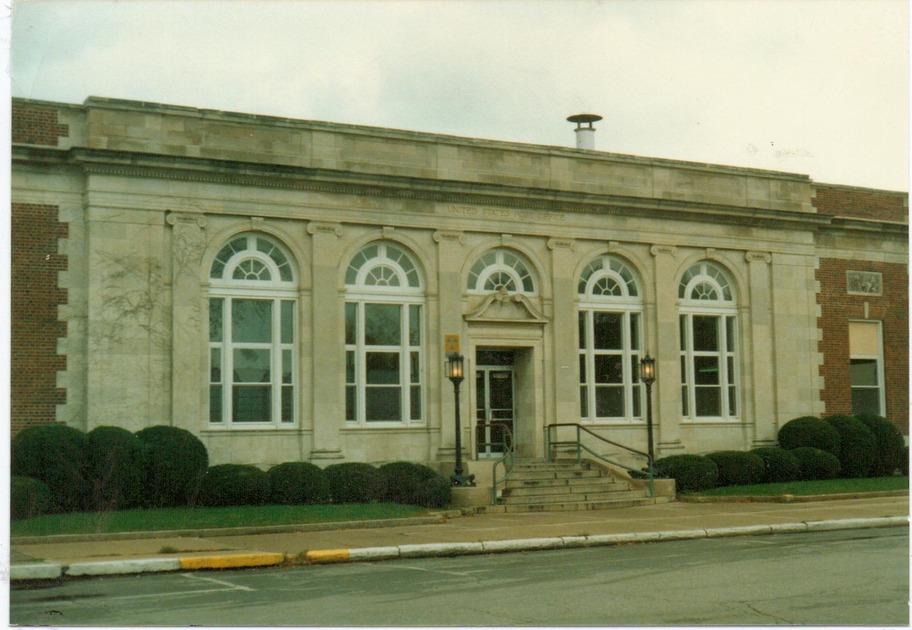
x: 203, y: 170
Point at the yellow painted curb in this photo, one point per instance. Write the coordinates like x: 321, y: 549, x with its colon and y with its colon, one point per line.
x: 327, y: 555
x: 232, y: 561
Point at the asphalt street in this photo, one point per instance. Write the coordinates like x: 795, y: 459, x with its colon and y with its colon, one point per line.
x: 852, y: 577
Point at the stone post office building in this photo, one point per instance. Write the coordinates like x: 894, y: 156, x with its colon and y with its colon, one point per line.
x: 282, y: 288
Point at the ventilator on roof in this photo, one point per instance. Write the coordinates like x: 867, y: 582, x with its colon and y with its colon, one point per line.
x: 585, y: 132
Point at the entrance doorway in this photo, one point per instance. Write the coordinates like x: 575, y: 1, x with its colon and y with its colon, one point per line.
x: 494, y: 401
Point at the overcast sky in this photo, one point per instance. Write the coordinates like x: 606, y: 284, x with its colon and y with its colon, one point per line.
x: 815, y: 87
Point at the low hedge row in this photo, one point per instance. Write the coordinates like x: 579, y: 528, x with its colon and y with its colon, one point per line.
x: 56, y: 468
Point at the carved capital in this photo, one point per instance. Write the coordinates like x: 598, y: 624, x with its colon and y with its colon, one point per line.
x: 563, y: 243
x: 324, y: 228
x: 758, y: 257
x: 440, y: 237
x: 180, y: 218
x: 668, y: 250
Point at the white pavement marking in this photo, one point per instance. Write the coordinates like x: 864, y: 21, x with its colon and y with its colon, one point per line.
x: 236, y: 587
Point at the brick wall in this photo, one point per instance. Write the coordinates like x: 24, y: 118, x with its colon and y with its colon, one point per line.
x: 858, y: 203
x: 891, y: 308
x: 35, y: 327
x: 36, y: 125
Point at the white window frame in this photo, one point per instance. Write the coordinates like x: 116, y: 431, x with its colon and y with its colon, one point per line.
x: 879, y: 362
x: 506, y: 261
x: 700, y: 278
x: 275, y: 291
x: 360, y: 294
x: 626, y: 303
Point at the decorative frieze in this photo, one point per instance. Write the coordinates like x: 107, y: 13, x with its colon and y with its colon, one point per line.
x: 864, y: 282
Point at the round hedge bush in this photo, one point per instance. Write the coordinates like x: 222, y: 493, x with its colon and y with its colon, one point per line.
x: 415, y: 484
x: 116, y: 469
x: 175, y: 461
x: 816, y: 463
x: 298, y: 483
x: 692, y: 473
x: 809, y: 431
x: 779, y: 465
x: 355, y: 482
x: 233, y: 484
x: 738, y: 468
x: 857, y: 446
x: 889, y: 445
x: 29, y: 497
x: 904, y: 462
x: 57, y: 455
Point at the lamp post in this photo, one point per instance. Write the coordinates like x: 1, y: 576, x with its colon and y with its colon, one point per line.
x: 455, y: 365
x: 648, y: 376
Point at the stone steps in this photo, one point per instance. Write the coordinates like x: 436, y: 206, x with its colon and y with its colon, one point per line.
x: 539, y: 486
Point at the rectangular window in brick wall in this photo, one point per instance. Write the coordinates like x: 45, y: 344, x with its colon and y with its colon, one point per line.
x: 839, y: 306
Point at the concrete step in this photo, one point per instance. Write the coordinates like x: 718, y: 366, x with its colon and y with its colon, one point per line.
x: 587, y: 497
x: 594, y: 485
x: 578, y: 507
x: 554, y: 474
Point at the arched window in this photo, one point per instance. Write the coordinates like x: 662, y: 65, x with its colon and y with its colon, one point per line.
x: 501, y: 270
x: 252, y: 357
x: 610, y: 342
x: 384, y: 357
x: 709, y: 344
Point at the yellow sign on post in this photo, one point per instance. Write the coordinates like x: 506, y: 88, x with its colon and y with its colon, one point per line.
x: 451, y: 344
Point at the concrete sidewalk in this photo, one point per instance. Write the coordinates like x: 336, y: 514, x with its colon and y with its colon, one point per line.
x: 445, y: 534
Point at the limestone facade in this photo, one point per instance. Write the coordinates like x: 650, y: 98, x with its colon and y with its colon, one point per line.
x: 354, y: 251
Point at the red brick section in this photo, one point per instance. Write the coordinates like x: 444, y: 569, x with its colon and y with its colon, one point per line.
x: 838, y: 307
x: 35, y: 327
x: 859, y: 203
x: 36, y: 125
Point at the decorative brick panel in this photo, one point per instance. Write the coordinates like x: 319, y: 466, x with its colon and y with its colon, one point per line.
x: 837, y: 307
x: 36, y: 125
x: 35, y: 328
x: 855, y: 203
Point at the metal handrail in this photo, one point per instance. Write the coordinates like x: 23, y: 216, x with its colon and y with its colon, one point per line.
x: 580, y: 447
x: 506, y: 461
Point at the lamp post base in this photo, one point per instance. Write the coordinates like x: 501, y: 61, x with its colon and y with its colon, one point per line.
x: 459, y: 480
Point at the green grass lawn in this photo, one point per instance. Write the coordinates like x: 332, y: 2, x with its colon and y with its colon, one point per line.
x: 806, y: 488
x: 204, y: 517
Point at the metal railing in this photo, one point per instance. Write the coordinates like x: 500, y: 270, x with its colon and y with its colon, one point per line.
x: 508, y: 458
x: 552, y: 443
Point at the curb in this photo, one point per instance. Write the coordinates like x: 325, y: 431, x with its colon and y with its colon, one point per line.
x: 791, y: 498
x: 51, y: 571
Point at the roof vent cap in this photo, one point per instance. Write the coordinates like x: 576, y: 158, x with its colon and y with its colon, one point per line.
x: 585, y: 132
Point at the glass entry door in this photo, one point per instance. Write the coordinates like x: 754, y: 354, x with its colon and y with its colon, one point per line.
x: 494, y: 409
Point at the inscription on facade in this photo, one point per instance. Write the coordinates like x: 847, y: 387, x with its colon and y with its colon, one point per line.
x: 865, y: 282
x: 508, y: 214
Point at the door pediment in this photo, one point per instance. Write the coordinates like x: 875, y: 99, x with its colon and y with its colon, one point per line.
x: 506, y: 307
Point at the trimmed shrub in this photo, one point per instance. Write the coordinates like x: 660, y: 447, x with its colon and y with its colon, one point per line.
x: 691, y: 472
x: 298, y: 483
x: 29, y: 497
x: 115, y: 469
x: 57, y: 455
x: 415, y: 484
x: 738, y: 468
x: 889, y: 445
x: 809, y: 431
x: 176, y: 461
x: 355, y: 482
x: 233, y: 484
x: 816, y: 463
x: 779, y: 465
x: 857, y: 446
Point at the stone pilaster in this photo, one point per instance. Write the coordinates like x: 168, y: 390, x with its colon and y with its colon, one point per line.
x: 564, y: 330
x: 761, y: 343
x: 450, y: 258
x: 328, y: 343
x: 189, y: 354
x: 667, y: 388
